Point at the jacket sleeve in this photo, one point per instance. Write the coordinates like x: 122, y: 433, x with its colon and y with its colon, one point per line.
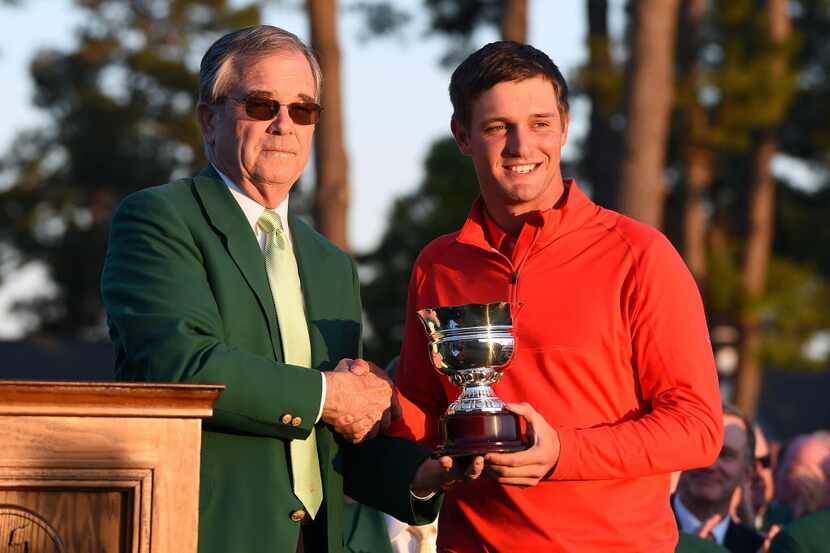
x: 784, y: 542
x: 675, y: 370
x: 379, y: 474
x: 167, y: 326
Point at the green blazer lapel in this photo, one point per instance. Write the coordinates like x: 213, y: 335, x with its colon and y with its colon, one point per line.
x: 226, y: 217
x: 311, y: 259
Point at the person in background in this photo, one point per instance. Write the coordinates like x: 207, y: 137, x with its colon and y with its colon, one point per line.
x: 704, y: 495
x: 800, y: 481
x: 750, y: 500
x: 763, y: 484
x: 809, y: 534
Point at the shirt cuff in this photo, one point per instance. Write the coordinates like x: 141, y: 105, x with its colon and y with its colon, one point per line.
x: 322, y: 399
x: 420, y: 498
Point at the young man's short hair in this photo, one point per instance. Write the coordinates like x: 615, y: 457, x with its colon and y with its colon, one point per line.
x: 498, y: 62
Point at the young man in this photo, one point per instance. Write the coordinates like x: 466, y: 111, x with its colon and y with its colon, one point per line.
x: 612, y: 351
x: 706, y: 494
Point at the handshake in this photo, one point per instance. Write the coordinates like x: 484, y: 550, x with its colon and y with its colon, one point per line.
x: 359, y: 399
x: 360, y: 402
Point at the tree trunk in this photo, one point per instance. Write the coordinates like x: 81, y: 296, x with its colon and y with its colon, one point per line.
x: 514, y: 20
x: 649, y: 108
x: 756, y: 261
x: 697, y: 157
x: 759, y: 233
x: 600, y: 164
x: 331, y: 194
x: 699, y: 174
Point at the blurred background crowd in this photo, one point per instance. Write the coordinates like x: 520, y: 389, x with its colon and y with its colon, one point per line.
x: 707, y: 119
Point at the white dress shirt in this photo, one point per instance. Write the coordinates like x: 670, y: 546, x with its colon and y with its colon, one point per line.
x: 252, y: 211
x: 690, y: 524
x: 405, y: 541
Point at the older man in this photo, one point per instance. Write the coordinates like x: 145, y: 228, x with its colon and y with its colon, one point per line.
x: 800, y: 478
x: 810, y: 533
x: 211, y: 279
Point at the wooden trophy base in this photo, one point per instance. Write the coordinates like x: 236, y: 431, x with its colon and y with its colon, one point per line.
x: 469, y: 434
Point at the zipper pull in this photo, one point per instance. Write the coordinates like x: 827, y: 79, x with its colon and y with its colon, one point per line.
x: 514, y: 278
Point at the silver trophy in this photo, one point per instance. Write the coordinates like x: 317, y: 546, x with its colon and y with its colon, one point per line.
x: 471, y: 344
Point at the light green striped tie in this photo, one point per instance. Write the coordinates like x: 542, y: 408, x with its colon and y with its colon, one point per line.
x: 288, y: 297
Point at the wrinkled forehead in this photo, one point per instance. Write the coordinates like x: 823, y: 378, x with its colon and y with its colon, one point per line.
x: 264, y: 70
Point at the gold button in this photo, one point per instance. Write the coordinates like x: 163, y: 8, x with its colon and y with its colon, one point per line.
x: 298, y: 516
x: 296, y: 421
x: 286, y: 418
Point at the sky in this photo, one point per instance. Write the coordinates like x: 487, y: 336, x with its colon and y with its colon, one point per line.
x: 395, y: 101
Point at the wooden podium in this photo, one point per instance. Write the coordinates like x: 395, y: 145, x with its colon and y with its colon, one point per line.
x: 100, y: 467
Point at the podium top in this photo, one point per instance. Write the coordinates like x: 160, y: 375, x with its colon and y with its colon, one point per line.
x: 107, y: 399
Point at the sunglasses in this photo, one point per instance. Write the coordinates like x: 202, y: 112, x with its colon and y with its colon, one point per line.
x: 263, y: 108
x: 765, y: 461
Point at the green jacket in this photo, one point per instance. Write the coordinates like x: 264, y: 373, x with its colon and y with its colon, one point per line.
x: 689, y: 543
x: 809, y: 534
x: 187, y: 298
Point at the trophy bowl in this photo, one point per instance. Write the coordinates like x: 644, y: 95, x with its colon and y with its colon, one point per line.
x: 471, y: 344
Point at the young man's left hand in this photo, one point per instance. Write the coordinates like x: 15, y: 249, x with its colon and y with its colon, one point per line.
x: 526, y: 468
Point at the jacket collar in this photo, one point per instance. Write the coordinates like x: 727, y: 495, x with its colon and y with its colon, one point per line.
x: 225, y: 215
x: 541, y: 228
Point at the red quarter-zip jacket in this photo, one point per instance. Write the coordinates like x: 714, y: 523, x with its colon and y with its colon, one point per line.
x: 612, y: 349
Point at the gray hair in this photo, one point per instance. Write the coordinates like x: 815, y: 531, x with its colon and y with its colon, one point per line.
x: 248, y: 43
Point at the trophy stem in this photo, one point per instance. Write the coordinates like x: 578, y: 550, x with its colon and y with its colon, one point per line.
x: 476, y: 394
x: 476, y: 399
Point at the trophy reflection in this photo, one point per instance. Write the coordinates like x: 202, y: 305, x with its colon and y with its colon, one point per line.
x: 471, y: 344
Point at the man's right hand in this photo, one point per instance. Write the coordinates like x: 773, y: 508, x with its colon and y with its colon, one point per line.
x: 357, y: 401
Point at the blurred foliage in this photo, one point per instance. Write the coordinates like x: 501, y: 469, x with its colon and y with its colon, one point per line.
x: 794, y: 307
x: 742, y: 105
x: 120, y: 109
x: 602, y: 82
x: 457, y: 21
x: 121, y: 117
x: 439, y: 206
x: 803, y: 227
x: 380, y: 18
x: 805, y: 132
x: 738, y: 84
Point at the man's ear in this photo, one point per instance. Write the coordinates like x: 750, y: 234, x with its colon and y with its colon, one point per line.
x: 207, y: 121
x: 566, y: 126
x: 462, y: 137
